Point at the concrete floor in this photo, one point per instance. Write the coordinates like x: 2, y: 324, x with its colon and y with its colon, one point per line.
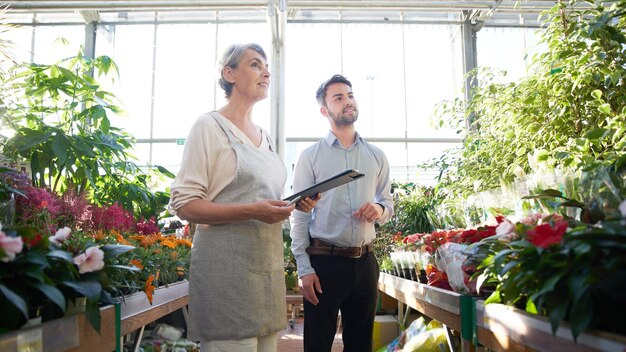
x: 290, y: 340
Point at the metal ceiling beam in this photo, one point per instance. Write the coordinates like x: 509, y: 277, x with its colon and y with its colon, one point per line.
x: 358, y: 5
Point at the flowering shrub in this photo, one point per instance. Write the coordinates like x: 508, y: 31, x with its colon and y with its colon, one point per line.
x: 63, y: 248
x: 563, y: 269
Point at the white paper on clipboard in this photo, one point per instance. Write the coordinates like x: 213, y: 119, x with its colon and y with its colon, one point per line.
x: 341, y: 178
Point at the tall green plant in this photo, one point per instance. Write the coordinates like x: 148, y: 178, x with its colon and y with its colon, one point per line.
x: 65, y: 133
x: 569, y: 112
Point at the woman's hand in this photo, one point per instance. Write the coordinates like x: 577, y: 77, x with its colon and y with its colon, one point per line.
x: 307, y: 204
x: 272, y: 211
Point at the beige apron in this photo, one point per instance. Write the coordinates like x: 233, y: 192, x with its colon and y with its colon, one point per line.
x: 237, y: 283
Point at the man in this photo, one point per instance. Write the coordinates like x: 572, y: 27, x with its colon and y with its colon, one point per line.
x: 332, y: 245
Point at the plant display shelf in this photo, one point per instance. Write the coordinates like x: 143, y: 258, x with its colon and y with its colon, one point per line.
x: 498, y: 327
x: 74, y: 333
x: 438, y: 304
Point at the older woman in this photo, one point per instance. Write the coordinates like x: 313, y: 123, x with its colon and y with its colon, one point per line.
x: 230, y: 183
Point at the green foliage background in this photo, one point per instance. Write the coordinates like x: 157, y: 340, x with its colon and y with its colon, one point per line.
x: 569, y: 112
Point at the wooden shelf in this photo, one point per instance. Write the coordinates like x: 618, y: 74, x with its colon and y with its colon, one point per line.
x: 136, y: 311
x: 57, y: 335
x: 507, y: 328
x: 434, y: 302
x: 76, y: 334
x: 498, y: 327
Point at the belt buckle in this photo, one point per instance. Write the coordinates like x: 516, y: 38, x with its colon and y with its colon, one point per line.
x: 358, y: 255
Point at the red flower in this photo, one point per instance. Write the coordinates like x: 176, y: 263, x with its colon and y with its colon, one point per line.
x: 545, y: 235
x: 33, y: 241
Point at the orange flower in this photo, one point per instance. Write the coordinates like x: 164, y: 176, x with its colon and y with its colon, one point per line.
x: 136, y: 237
x: 173, y: 255
x: 122, y: 240
x: 169, y: 243
x: 157, y: 275
x: 180, y: 271
x: 148, y: 241
x: 149, y: 288
x: 136, y: 263
x: 98, y: 235
x: 184, y: 241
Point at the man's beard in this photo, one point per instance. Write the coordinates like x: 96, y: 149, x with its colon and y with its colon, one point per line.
x: 344, y: 120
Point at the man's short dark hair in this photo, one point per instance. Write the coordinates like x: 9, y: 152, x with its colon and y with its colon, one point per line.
x: 320, y: 95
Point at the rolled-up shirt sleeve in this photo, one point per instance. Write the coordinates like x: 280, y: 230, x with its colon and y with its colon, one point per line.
x: 192, y: 180
x: 303, y: 177
x: 383, y: 191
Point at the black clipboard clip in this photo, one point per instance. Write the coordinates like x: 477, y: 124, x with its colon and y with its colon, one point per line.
x: 341, y: 178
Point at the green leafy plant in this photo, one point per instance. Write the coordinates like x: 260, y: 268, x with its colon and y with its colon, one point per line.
x: 62, y: 127
x: 565, y: 270
x: 572, y: 116
x: 412, y: 203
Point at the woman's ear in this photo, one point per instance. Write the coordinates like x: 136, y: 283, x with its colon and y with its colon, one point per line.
x: 229, y: 74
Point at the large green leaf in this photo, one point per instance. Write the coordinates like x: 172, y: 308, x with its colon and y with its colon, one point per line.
x: 113, y: 250
x: 93, y: 314
x: 52, y: 293
x: 60, y: 254
x: 15, y: 300
x: 581, y: 314
x: 88, y: 288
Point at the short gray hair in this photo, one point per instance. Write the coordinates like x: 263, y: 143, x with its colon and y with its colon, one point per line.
x: 231, y: 58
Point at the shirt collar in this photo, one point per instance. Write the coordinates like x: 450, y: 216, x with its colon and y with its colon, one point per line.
x: 332, y: 139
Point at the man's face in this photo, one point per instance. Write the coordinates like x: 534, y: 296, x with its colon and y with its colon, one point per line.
x: 341, y: 106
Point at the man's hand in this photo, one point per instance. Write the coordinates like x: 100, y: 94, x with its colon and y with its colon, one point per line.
x: 309, y: 284
x: 369, y: 212
x: 307, y: 204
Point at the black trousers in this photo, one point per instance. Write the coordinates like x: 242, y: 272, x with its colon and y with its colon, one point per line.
x: 350, y: 286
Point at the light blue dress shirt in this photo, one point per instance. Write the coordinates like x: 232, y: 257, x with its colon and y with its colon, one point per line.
x: 332, y: 218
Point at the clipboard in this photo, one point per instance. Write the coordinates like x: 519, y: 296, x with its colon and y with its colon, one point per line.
x: 341, y: 178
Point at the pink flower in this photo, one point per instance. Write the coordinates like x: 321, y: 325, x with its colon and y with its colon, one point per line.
x: 545, y: 235
x: 532, y: 220
x: 506, y: 231
x: 10, y: 246
x: 91, y: 260
x: 61, y: 235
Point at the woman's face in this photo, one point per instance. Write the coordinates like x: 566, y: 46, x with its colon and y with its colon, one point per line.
x: 251, y: 78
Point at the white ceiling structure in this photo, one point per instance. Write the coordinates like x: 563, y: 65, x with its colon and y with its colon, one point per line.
x: 471, y: 15
x: 489, y: 13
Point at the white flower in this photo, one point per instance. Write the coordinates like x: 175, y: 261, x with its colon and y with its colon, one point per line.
x: 10, y: 246
x: 505, y: 228
x: 506, y: 231
x: 91, y: 260
x: 61, y: 235
x: 622, y: 208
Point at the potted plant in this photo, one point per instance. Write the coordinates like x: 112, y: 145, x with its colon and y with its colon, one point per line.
x: 563, y: 269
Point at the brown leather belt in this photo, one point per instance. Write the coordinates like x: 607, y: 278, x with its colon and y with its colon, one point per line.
x: 319, y: 247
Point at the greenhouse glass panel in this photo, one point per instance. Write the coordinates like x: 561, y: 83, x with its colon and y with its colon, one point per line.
x: 55, y: 43
x: 434, y: 73
x: 185, y: 77
x: 130, y: 46
x: 373, y: 61
x: 313, y: 54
